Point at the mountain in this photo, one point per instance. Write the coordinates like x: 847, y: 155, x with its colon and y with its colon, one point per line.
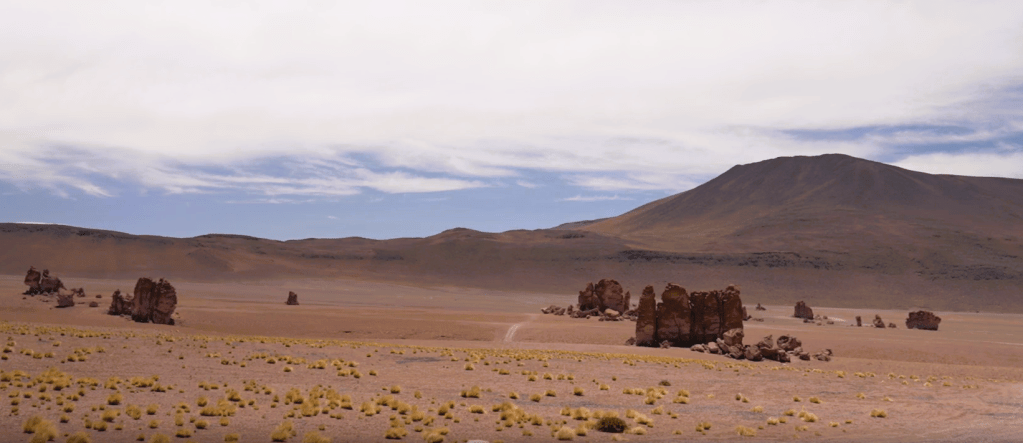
x: 832, y: 230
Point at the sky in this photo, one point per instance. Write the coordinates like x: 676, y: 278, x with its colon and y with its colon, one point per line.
x: 387, y: 119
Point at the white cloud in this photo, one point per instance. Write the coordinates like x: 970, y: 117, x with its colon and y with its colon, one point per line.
x: 527, y: 184
x: 332, y: 217
x: 617, y: 96
x: 1000, y: 163
x: 594, y: 198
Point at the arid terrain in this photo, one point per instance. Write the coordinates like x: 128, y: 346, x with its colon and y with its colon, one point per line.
x: 411, y: 348
x: 442, y: 338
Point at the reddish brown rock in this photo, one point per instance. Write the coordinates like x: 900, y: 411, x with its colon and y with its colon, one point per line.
x: 803, y: 311
x: 32, y: 278
x: 65, y: 300
x: 292, y: 298
x: 878, y: 323
x: 789, y: 343
x: 923, y: 320
x: 760, y: 308
x: 154, y: 302
x: 93, y: 304
x: 120, y: 304
x: 732, y: 313
x: 606, y: 294
x: 733, y: 337
x: 587, y: 299
x: 674, y: 316
x: 646, y: 324
x: 859, y: 321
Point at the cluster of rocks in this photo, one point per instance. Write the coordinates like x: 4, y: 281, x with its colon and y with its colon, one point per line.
x: 923, y: 320
x: 803, y: 311
x: 784, y: 350
x: 292, y: 299
x: 41, y: 283
x: 606, y: 300
x: 152, y: 302
x: 682, y: 319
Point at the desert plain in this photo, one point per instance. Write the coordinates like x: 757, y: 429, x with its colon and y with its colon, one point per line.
x: 364, y: 361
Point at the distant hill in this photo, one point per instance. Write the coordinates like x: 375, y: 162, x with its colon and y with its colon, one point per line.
x: 832, y: 230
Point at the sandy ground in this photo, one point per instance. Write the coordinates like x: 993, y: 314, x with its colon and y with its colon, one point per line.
x: 961, y: 383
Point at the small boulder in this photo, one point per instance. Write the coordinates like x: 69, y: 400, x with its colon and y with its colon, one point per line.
x: 803, y: 311
x: 733, y: 337
x: 789, y: 343
x: 698, y: 348
x: 666, y: 344
x: 760, y: 308
x: 923, y: 320
x: 713, y: 348
x: 892, y: 326
x: 292, y: 299
x: 65, y: 300
x: 878, y: 323
x: 753, y: 353
x: 631, y: 341
x: 120, y: 304
x: 93, y: 304
x: 859, y: 321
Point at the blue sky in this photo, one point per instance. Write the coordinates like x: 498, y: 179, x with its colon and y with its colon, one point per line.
x: 391, y: 119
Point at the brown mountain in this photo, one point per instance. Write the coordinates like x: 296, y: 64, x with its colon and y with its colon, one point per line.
x: 833, y: 230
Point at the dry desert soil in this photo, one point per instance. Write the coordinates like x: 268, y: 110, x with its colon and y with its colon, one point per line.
x: 361, y: 361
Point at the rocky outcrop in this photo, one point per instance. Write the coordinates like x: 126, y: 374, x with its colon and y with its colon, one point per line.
x: 32, y: 278
x: 65, y: 299
x: 686, y: 319
x: 878, y: 323
x: 606, y: 294
x: 803, y: 311
x: 859, y: 321
x: 923, y: 320
x: 292, y: 298
x: 154, y: 302
x: 120, y: 304
x: 646, y: 324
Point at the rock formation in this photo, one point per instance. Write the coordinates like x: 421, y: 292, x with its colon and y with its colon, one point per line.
x: 859, y: 321
x: 923, y: 320
x: 32, y: 280
x: 606, y: 294
x: 878, y: 323
x: 41, y: 283
x: 646, y: 324
x: 760, y: 308
x: 65, y: 300
x: 292, y: 298
x: 803, y: 311
x: 686, y: 319
x: 120, y: 304
x: 153, y: 302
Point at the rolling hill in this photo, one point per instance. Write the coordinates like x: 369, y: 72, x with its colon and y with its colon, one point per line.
x: 833, y: 230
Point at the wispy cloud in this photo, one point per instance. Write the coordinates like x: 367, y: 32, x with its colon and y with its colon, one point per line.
x: 526, y: 184
x: 434, y: 97
x: 594, y: 198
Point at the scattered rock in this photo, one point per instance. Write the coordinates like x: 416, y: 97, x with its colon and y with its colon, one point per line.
x: 923, y: 320
x: 760, y: 308
x: 65, y: 300
x: 789, y: 343
x: 859, y: 321
x: 120, y: 304
x: 154, y: 302
x: 32, y: 278
x: 631, y: 341
x: 878, y: 323
x: 752, y: 353
x: 93, y: 304
x: 99, y: 295
x: 824, y: 355
x: 803, y: 311
x: 292, y: 299
x: 666, y: 344
x: 733, y: 337
x: 892, y: 326
x: 699, y: 348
